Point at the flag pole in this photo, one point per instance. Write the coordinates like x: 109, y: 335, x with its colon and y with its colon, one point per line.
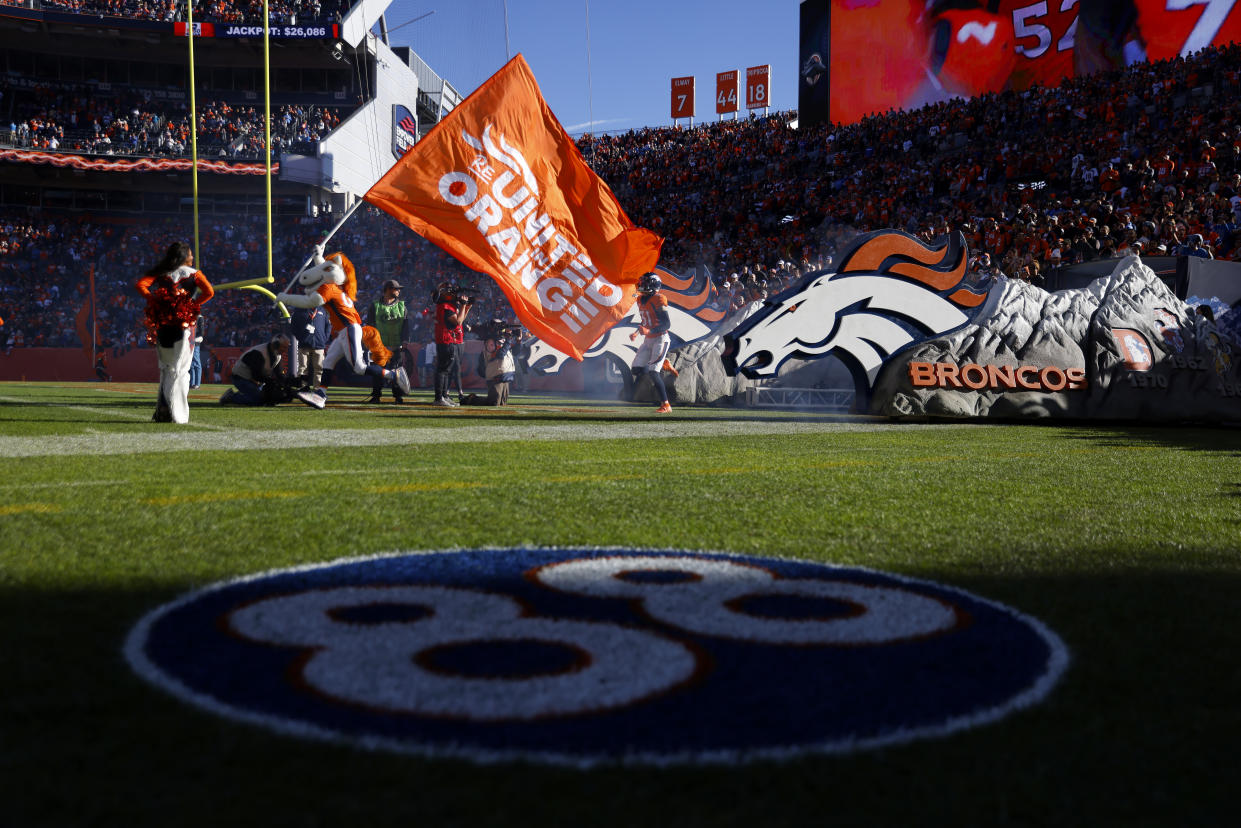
x: 590, y: 92
x: 508, y: 52
x: 285, y: 311
x: 332, y: 232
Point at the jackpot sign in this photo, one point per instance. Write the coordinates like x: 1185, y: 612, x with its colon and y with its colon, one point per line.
x: 312, y: 31
x: 579, y: 656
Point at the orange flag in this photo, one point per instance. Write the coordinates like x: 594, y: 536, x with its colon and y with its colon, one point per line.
x: 500, y: 185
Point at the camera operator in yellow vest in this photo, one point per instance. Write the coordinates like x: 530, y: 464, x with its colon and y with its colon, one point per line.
x: 389, y: 317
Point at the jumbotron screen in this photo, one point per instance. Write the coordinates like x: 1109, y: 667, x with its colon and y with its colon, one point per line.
x: 862, y: 57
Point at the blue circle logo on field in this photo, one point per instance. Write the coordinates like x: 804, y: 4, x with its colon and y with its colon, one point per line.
x: 580, y: 656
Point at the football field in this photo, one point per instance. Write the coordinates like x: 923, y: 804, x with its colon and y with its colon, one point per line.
x: 1116, y: 548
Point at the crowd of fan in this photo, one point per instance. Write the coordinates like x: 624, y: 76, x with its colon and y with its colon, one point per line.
x: 46, y: 259
x: 1149, y: 156
x: 1035, y: 179
x: 216, y: 11
x: 76, y: 118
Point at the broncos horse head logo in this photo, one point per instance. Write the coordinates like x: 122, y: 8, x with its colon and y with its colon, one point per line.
x: 690, y: 308
x: 890, y: 291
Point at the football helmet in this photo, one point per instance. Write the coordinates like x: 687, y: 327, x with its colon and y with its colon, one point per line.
x: 649, y: 283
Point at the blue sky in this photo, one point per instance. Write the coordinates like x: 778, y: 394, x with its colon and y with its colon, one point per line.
x: 622, y: 81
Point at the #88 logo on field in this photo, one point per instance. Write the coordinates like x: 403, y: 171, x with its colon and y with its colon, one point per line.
x: 588, y: 655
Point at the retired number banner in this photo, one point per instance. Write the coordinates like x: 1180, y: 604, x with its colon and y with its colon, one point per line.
x: 683, y: 97
x: 501, y: 186
x: 726, y: 92
x: 758, y: 87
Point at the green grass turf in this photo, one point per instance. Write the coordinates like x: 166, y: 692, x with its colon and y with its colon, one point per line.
x: 1123, y: 539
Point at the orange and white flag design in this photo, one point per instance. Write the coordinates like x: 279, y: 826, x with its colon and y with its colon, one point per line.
x: 500, y: 185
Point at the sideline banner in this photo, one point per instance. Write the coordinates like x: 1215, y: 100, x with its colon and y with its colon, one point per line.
x: 501, y: 186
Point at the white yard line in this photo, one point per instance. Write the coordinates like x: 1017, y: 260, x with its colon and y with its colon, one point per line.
x: 249, y: 440
x: 62, y: 484
x: 120, y: 414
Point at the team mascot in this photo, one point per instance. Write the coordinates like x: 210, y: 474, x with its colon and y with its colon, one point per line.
x: 332, y: 283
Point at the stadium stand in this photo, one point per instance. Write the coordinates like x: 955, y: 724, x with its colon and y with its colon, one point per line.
x: 1148, y: 155
x: 211, y: 10
x: 45, y: 256
x: 132, y: 123
x: 1019, y: 173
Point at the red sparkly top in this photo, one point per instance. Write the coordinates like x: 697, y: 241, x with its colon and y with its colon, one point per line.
x: 171, y: 299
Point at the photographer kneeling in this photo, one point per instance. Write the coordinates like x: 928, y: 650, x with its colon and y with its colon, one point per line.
x: 496, y: 363
x: 256, y: 380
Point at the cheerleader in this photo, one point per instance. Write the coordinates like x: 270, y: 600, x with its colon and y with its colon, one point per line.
x: 174, y: 291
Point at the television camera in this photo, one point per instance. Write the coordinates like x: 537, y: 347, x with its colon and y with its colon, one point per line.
x: 452, y: 291
x: 505, y: 334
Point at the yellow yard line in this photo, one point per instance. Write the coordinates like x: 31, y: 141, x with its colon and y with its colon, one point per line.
x: 23, y: 508
x: 218, y: 497
x: 424, y: 487
x: 589, y: 478
x: 832, y: 464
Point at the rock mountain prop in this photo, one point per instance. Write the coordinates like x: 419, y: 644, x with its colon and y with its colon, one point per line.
x: 1146, y: 356
x: 1139, y: 351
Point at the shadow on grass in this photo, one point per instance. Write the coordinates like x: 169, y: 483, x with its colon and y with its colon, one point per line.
x: 1141, y: 730
x: 1187, y: 438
